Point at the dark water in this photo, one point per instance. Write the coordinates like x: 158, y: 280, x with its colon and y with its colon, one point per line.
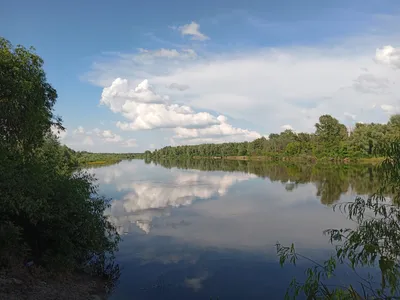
x: 207, y: 229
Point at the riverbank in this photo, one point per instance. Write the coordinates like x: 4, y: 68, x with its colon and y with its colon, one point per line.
x: 100, y: 162
x: 34, y: 283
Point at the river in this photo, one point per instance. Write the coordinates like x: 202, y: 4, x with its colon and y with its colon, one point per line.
x: 207, y: 229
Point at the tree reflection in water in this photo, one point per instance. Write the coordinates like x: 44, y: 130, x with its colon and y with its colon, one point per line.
x: 374, y: 242
x: 331, y: 180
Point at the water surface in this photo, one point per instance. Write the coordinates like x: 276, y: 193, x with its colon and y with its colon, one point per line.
x: 202, y: 229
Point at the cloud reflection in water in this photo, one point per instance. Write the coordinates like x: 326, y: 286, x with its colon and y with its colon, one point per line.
x: 145, y: 199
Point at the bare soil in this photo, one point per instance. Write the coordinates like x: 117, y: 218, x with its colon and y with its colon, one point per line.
x: 33, y: 283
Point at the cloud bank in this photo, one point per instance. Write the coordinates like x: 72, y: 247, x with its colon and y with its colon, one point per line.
x: 144, y: 109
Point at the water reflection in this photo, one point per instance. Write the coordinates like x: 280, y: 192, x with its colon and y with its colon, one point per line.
x: 331, y: 180
x: 143, y: 194
x: 143, y: 200
x: 199, y: 229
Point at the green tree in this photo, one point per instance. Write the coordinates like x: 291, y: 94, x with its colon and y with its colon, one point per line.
x: 329, y: 130
x: 26, y: 98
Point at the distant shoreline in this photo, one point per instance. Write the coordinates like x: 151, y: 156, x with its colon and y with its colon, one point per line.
x: 371, y: 160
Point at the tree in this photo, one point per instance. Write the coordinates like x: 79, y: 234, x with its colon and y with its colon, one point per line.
x: 26, y: 98
x: 365, y: 137
x: 329, y: 130
x: 394, y: 121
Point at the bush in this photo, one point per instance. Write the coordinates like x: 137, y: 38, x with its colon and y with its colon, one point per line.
x: 59, y: 214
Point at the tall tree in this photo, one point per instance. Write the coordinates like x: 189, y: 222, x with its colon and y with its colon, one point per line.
x: 330, y: 130
x: 26, y: 98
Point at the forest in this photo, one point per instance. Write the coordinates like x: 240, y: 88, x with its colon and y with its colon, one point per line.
x: 331, y: 140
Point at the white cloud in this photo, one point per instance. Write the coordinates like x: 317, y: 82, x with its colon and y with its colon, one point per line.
x: 145, y: 109
x: 216, y: 133
x: 95, y: 140
x: 120, y: 93
x: 388, y: 55
x: 156, y: 116
x: 193, y: 30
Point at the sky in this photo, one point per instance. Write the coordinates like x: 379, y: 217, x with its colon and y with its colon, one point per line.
x: 133, y: 75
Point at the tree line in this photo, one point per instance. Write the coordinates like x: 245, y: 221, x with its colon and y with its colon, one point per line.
x: 331, y: 139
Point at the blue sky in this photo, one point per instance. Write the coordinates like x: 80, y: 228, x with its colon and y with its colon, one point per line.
x: 133, y: 75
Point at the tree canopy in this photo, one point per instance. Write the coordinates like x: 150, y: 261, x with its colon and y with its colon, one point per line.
x: 26, y: 98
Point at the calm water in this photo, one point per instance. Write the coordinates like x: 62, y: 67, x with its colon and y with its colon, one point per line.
x: 202, y: 229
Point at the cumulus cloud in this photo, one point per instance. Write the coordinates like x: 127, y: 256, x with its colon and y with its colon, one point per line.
x: 388, y: 55
x: 193, y: 30
x: 145, y: 109
x: 216, y: 133
x: 120, y: 93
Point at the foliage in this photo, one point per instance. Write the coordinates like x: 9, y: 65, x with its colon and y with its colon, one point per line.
x: 53, y: 213
x: 331, y: 140
x: 373, y: 242
x: 26, y: 98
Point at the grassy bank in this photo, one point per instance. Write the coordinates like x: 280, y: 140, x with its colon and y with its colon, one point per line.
x: 89, y: 159
x: 101, y: 162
